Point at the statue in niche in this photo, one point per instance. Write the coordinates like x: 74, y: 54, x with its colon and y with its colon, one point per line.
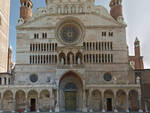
x: 79, y: 60
x: 115, y: 80
x: 138, y: 80
x: 62, y: 61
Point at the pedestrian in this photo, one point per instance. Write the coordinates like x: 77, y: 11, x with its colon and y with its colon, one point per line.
x: 129, y: 110
x: 20, y: 110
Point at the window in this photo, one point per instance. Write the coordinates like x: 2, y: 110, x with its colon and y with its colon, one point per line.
x: 36, y: 36
x: 107, y: 77
x: 70, y: 87
x: 111, y: 34
x: 103, y: 33
x: 24, y: 3
x: 44, y: 35
x: 28, y: 5
x: 33, y: 78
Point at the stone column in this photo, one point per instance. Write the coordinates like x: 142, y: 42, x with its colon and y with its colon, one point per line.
x: 89, y: 100
x: 69, y: 8
x: 2, y: 80
x: 98, y: 58
x: 127, y: 101
x: 140, y: 102
x: 84, y: 108
x: 51, y: 59
x: 92, y: 58
x: 14, y: 102
x: 38, y: 102
x: 57, y: 102
x: 103, y: 103
x: 1, y: 105
x: 91, y: 48
x: 51, y: 100
x: 115, y: 101
x: 7, y: 82
x: 26, y: 102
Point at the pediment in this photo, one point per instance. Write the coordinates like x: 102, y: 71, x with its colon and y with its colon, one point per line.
x: 88, y: 20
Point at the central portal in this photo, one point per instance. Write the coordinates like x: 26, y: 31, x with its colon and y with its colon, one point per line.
x: 70, y: 97
x: 70, y: 101
x: 70, y: 93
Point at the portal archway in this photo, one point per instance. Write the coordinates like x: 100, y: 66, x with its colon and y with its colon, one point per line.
x: 70, y: 93
x: 8, y: 101
x: 20, y: 100
x: 33, y: 100
x: 133, y: 100
x: 44, y: 100
x: 96, y: 101
x: 121, y: 100
x: 109, y: 100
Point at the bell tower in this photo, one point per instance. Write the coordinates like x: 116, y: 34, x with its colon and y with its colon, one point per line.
x: 26, y: 9
x: 116, y: 8
x: 138, y: 57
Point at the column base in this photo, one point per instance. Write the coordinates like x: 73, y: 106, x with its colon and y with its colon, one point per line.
x: 38, y: 110
x: 25, y: 111
x: 84, y: 109
x: 91, y: 110
x: 127, y: 110
x: 13, y: 111
x: 57, y: 109
x: 140, y: 110
x: 50, y: 110
x: 115, y: 110
x: 103, y: 110
x: 1, y: 111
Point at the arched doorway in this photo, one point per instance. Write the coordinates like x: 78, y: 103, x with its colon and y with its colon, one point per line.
x: 44, y: 100
x: 20, y: 100
x: 109, y: 100
x: 33, y: 100
x: 8, y: 101
x: 70, y: 92
x: 70, y: 96
x: 121, y: 101
x: 133, y: 100
x: 96, y: 101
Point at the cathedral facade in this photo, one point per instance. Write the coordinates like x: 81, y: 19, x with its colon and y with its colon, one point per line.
x: 73, y: 56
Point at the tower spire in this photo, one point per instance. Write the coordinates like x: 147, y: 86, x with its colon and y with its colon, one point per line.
x: 137, y: 47
x: 138, y: 57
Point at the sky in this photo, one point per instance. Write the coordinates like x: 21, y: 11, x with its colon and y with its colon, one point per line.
x: 136, y: 14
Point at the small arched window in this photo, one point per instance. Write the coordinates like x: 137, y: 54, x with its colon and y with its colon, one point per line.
x: 107, y: 77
